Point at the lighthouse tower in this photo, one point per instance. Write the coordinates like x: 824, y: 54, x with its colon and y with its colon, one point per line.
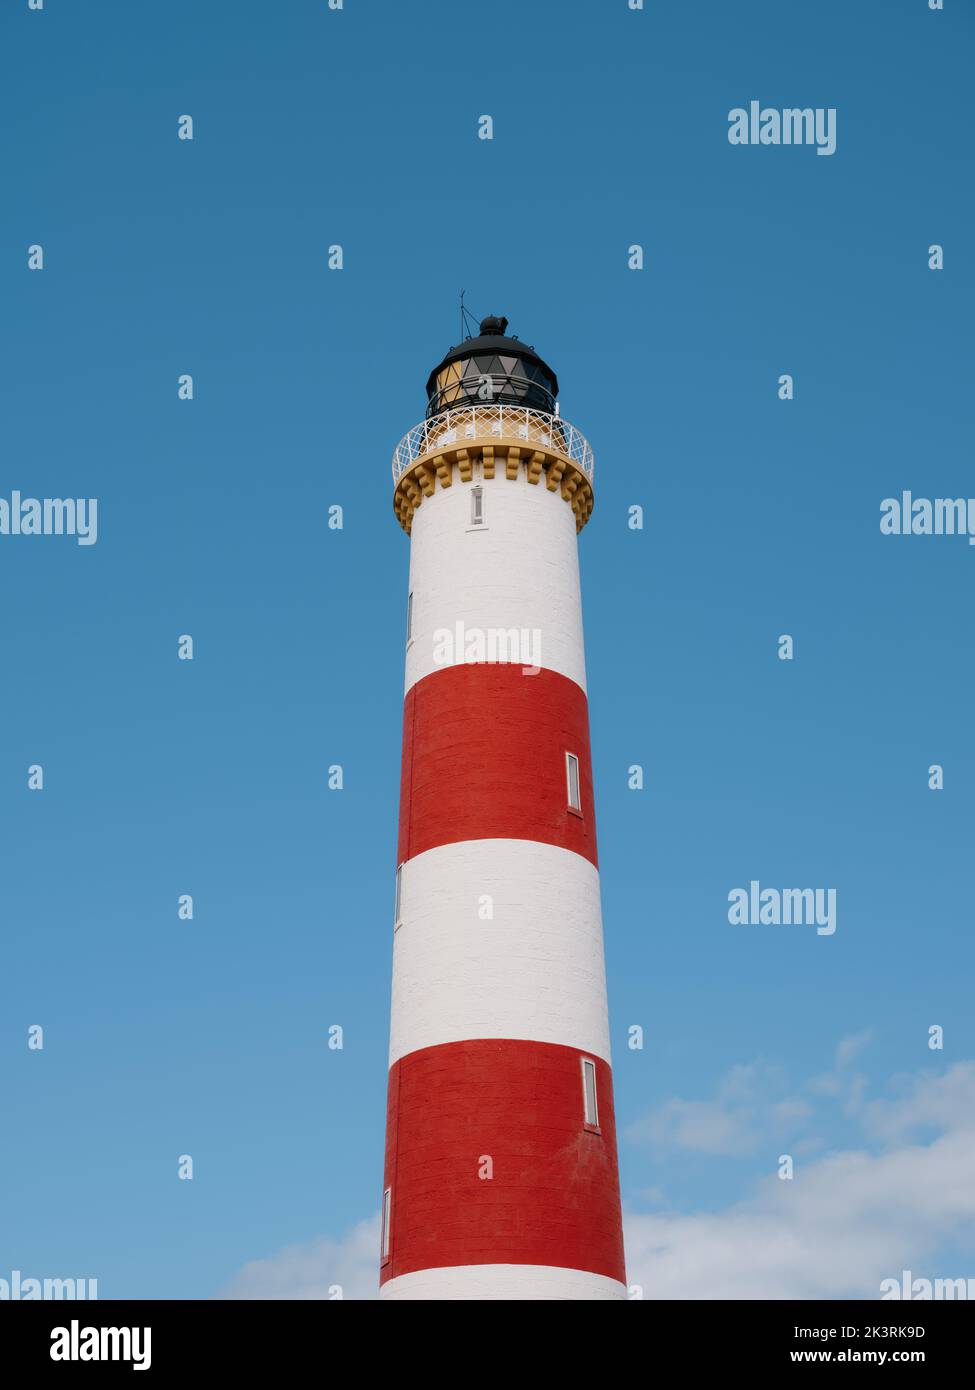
x: 501, y: 1174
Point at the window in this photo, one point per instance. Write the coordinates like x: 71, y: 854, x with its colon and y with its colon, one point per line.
x: 399, y: 896
x: 409, y: 618
x: 572, y: 781
x: 590, y: 1109
x: 477, y: 506
x: 384, y: 1237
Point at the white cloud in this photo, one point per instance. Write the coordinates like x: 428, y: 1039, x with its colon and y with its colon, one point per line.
x: 751, y: 1105
x: 315, y: 1269
x: 840, y: 1226
x: 754, y: 1106
x: 848, y: 1047
x: 927, y: 1103
x: 699, y: 1125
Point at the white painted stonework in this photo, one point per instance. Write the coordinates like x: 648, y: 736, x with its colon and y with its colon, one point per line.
x: 519, y: 569
x: 512, y: 1282
x: 535, y: 972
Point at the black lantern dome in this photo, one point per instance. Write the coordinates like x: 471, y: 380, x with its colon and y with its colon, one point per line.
x: 492, y: 369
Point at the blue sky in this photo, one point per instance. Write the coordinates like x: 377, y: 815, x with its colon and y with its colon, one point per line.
x: 163, y: 777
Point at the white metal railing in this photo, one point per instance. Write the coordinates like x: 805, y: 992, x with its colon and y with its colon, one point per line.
x: 484, y: 422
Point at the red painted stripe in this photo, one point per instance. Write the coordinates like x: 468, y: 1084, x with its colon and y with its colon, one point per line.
x: 484, y: 758
x: 554, y: 1196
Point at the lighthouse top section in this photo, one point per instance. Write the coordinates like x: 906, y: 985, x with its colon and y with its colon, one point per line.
x: 491, y: 404
x: 517, y: 374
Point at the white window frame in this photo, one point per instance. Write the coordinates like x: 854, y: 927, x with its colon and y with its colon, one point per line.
x: 573, y: 792
x: 590, y: 1111
x: 409, y: 618
x: 384, y: 1224
x: 477, y: 506
x: 398, y: 898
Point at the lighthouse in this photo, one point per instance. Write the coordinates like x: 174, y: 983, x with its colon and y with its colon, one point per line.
x: 501, y: 1177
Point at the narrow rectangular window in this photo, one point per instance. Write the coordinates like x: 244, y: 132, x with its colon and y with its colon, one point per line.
x: 572, y: 781
x: 477, y: 506
x: 399, y: 896
x: 384, y: 1238
x: 409, y: 617
x: 590, y: 1109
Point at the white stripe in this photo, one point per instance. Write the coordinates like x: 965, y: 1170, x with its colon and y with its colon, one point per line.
x: 519, y: 570
x: 533, y: 970
x: 517, y: 1282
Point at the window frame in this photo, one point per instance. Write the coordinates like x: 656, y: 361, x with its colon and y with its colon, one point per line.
x: 398, y: 898
x: 477, y: 505
x: 385, y: 1222
x: 572, y: 760
x: 590, y: 1116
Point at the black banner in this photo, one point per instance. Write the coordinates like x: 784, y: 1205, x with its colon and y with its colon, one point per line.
x: 167, y: 1339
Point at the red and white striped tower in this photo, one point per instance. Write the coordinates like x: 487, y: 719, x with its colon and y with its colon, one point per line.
x: 501, y: 1175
